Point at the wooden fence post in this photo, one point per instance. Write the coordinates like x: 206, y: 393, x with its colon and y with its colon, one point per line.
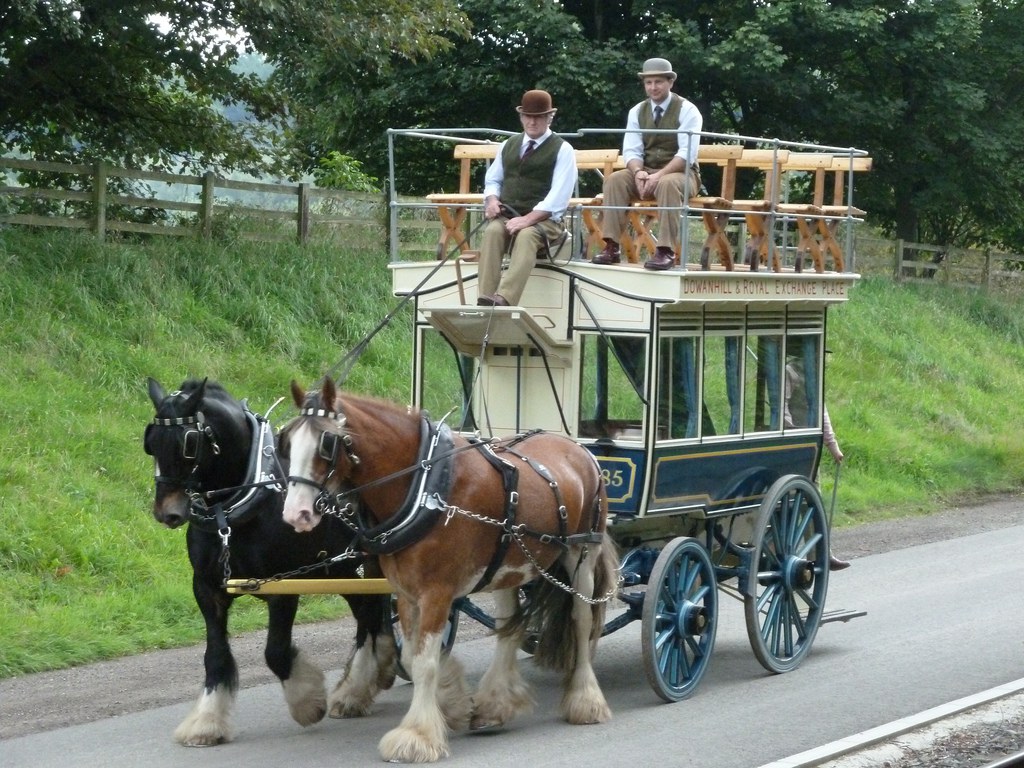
x: 303, y: 213
x: 206, y: 202
x: 898, y: 272
x: 987, y: 276
x: 99, y: 199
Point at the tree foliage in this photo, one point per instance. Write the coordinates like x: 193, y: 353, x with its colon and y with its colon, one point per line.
x: 149, y: 83
x: 931, y: 89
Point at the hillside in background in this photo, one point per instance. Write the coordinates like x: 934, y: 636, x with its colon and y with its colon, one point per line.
x: 925, y: 386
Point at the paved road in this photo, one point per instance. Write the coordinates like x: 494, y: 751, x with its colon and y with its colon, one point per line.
x: 944, y: 621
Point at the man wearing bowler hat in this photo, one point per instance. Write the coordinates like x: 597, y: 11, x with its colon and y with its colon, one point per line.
x: 659, y: 166
x: 526, y: 193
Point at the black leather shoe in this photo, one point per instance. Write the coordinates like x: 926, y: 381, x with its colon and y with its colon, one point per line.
x: 494, y: 300
x: 663, y: 258
x: 610, y: 254
x: 835, y: 564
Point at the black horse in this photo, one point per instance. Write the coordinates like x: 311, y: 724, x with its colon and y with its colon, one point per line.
x: 216, y: 463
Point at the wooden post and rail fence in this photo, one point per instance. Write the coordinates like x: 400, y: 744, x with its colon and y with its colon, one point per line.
x: 83, y: 197
x: 80, y: 197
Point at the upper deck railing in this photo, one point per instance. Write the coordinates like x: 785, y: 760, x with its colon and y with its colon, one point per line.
x: 767, y: 203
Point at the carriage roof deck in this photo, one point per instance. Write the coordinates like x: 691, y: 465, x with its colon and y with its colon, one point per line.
x: 714, y: 286
x: 798, y: 231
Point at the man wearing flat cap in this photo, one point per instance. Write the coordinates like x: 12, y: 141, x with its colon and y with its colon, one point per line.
x: 526, y: 193
x: 660, y: 166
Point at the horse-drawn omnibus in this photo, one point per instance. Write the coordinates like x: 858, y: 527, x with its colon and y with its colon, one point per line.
x: 699, y: 390
x: 675, y: 414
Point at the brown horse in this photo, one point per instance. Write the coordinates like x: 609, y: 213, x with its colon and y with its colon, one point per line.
x: 448, y: 517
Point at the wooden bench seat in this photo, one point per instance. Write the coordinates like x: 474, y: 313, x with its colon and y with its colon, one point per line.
x: 453, y: 207
x: 644, y: 213
x: 817, y: 220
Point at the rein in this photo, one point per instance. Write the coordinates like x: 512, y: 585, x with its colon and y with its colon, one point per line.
x: 341, y: 369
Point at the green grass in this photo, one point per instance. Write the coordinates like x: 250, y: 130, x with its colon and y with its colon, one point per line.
x: 925, y: 387
x: 86, y: 572
x: 926, y: 392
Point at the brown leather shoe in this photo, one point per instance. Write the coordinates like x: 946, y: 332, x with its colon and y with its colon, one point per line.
x: 610, y: 254
x: 494, y: 300
x: 835, y: 564
x: 663, y: 258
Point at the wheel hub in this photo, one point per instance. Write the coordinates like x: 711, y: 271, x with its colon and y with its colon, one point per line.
x: 798, y: 573
x: 692, y: 619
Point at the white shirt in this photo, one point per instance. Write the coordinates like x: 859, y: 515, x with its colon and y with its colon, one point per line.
x: 690, y: 124
x: 563, y: 182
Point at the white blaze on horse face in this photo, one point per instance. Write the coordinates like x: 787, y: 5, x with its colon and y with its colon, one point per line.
x: 300, y: 501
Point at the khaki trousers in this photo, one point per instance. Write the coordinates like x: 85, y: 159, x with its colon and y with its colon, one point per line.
x: 620, y: 190
x: 493, y: 246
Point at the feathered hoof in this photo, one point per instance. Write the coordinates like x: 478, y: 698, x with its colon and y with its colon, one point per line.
x: 586, y: 710
x: 304, y: 691
x: 406, y: 745
x: 198, y: 731
x: 308, y: 713
x: 495, y: 707
x: 343, y: 710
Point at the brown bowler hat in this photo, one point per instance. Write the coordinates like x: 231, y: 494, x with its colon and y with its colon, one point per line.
x: 536, y: 103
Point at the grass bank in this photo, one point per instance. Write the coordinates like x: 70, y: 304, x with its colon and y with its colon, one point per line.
x: 925, y: 387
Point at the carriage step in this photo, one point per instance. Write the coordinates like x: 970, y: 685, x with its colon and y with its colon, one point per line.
x: 841, y: 614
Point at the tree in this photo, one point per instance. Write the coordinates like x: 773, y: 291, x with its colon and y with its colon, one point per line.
x: 931, y: 89
x: 146, y: 82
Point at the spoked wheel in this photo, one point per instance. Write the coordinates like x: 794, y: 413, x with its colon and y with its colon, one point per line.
x: 451, y: 628
x: 680, y: 617
x: 785, y: 592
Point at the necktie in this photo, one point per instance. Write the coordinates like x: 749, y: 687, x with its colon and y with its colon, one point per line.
x: 657, y: 116
x: 530, y: 146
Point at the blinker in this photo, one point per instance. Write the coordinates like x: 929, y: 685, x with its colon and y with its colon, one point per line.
x: 328, y: 447
x: 190, y: 443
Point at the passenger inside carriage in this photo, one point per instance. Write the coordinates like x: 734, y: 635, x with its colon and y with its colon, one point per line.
x: 801, y: 383
x: 716, y: 383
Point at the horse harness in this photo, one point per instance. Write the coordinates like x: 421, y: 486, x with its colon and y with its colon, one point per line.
x: 431, y: 484
x: 264, y: 476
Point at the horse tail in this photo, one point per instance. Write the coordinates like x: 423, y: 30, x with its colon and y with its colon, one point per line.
x: 606, y: 582
x: 545, y: 616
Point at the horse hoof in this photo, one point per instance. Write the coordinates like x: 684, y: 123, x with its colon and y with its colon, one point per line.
x: 200, y: 744
x: 346, y: 711
x: 483, y: 726
x: 407, y: 745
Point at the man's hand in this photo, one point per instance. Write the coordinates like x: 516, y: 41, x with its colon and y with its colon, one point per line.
x: 517, y: 224
x: 646, y: 183
x: 492, y: 207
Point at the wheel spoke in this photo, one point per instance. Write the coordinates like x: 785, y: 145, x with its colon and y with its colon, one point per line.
x: 786, y: 587
x: 679, y: 618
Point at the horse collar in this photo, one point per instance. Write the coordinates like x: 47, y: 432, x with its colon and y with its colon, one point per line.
x: 264, y: 477
x: 423, y: 505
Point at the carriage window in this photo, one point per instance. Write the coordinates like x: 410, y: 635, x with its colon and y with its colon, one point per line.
x: 802, y: 386
x: 762, y: 385
x: 678, y: 410
x: 722, y: 371
x: 445, y: 381
x: 612, y: 385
